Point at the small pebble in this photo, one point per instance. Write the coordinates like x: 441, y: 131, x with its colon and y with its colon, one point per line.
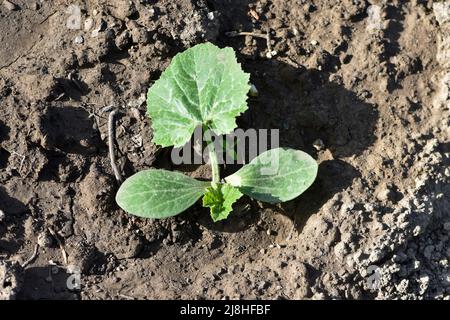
x: 271, y: 54
x: 2, y: 215
x: 253, y: 91
x: 447, y: 172
x: 417, y: 230
x: 78, y: 40
x: 318, y: 144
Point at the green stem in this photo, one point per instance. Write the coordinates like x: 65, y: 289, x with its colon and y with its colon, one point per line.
x: 214, y: 163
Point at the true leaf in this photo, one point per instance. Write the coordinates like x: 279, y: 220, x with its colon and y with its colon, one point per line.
x: 203, y: 85
x: 276, y: 175
x: 157, y: 193
x: 220, y: 200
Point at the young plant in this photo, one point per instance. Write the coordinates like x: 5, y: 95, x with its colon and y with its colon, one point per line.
x: 205, y: 86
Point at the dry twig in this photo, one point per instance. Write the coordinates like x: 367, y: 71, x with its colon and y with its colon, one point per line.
x: 60, y: 244
x: 112, y: 155
x: 270, y: 52
x: 33, y: 256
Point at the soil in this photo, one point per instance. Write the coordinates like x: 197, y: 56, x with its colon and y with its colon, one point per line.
x: 370, y: 79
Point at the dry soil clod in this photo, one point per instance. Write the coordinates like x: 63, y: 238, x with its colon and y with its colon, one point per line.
x: 10, y: 6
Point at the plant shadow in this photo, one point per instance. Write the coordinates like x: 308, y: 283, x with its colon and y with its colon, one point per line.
x: 333, y: 177
x: 306, y: 106
x: 69, y: 129
x: 11, y: 227
x: 4, y: 154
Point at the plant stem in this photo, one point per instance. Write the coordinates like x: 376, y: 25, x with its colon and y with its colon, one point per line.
x: 213, y: 162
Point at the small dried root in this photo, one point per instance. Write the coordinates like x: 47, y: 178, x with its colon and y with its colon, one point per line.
x: 112, y: 155
x: 33, y: 256
x: 270, y: 53
x: 60, y: 244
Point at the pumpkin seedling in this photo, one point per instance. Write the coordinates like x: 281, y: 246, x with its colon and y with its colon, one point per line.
x: 205, y: 86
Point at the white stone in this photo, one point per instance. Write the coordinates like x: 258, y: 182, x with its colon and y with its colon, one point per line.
x: 374, y: 21
x: 442, y: 11
x: 253, y: 91
x: 79, y: 40
x: 318, y: 144
x: 417, y: 230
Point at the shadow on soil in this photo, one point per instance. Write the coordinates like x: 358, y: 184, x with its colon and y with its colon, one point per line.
x: 15, y: 213
x: 70, y: 130
x: 4, y: 154
x: 51, y: 282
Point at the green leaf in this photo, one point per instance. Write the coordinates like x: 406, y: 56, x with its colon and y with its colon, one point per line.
x: 276, y: 175
x: 220, y: 200
x: 202, y: 85
x: 158, y: 193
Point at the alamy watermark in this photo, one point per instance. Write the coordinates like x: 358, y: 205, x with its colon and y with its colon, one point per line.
x: 73, y: 22
x: 70, y: 275
x: 239, y: 147
x: 73, y: 281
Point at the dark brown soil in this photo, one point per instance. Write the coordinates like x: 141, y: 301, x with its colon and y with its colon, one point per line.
x: 373, y: 88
